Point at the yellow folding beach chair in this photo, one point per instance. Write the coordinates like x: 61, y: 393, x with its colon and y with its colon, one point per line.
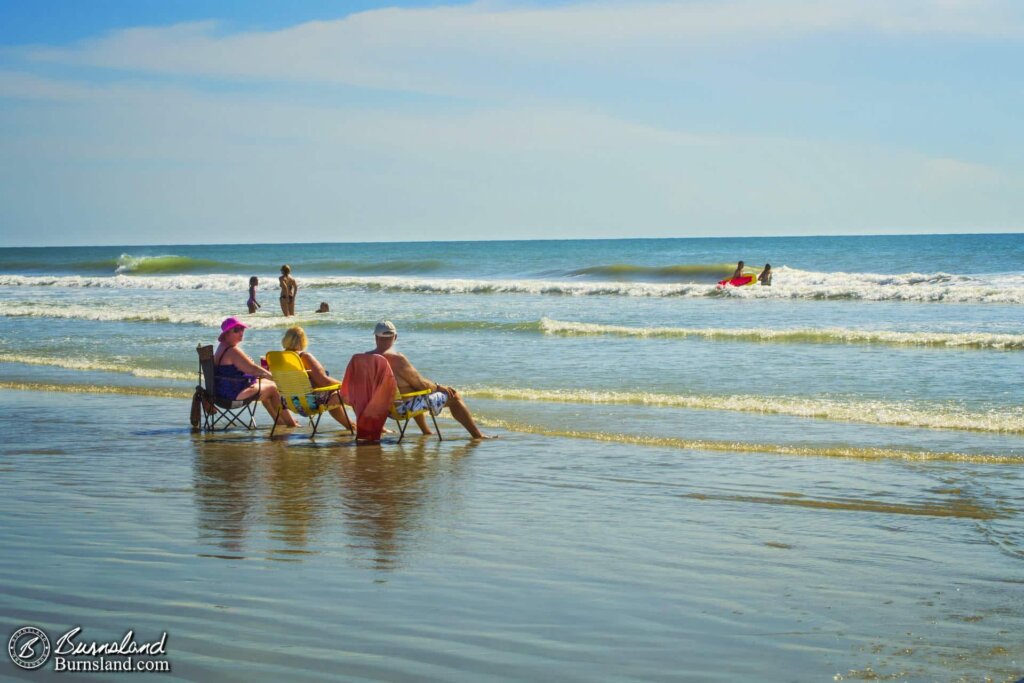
x: 403, y: 420
x: 297, y: 393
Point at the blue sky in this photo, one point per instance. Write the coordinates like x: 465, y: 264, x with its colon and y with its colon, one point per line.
x: 139, y: 122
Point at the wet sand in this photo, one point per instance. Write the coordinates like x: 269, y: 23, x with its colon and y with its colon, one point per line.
x: 532, y: 557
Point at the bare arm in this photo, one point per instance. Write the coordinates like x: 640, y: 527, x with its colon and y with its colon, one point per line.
x: 409, y: 375
x: 244, y: 364
x: 317, y: 375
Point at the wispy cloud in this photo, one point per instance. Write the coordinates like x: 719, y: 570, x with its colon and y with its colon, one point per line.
x: 426, y: 50
x: 192, y: 128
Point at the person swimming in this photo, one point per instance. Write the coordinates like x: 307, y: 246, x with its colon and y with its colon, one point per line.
x: 324, y: 308
x: 738, y: 272
x: 765, y: 278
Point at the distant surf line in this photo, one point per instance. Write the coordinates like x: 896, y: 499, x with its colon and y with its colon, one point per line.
x: 939, y: 288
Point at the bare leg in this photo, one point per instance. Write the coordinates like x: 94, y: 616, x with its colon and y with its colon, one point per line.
x: 271, y: 399
x: 252, y: 308
x: 284, y: 306
x: 461, y: 413
x: 291, y: 306
x: 421, y: 422
x: 339, y: 413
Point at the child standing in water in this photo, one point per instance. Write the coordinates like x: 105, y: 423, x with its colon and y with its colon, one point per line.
x: 252, y: 303
x: 289, y: 288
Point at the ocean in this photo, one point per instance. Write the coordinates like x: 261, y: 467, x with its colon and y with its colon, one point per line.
x: 816, y: 480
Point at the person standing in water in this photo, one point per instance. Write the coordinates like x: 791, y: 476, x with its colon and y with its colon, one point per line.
x: 765, y: 278
x: 738, y: 272
x: 252, y: 303
x: 289, y: 288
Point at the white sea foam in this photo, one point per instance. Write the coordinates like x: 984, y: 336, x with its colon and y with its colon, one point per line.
x: 825, y: 335
x: 789, y: 283
x: 159, y: 282
x: 94, y: 365
x: 106, y: 313
x: 935, y: 416
x: 828, y: 335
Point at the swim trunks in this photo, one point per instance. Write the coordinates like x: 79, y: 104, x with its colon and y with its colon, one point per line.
x: 320, y: 398
x: 434, y: 401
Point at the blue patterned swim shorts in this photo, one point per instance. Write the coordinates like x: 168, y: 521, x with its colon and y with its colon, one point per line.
x: 434, y: 401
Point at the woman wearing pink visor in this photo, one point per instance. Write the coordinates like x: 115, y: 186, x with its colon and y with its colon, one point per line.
x: 235, y: 374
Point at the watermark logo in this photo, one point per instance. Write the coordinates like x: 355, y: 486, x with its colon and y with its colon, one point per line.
x: 29, y: 647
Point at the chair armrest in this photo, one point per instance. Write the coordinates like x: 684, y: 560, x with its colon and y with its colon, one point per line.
x: 332, y: 387
x: 416, y: 393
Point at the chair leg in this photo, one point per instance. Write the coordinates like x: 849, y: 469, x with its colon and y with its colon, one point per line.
x: 401, y: 429
x: 276, y: 417
x: 316, y: 423
x: 436, y: 428
x: 351, y: 422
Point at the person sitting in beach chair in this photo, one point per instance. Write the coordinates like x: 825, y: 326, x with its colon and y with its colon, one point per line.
x: 419, y: 394
x: 305, y: 386
x: 370, y: 388
x: 232, y: 382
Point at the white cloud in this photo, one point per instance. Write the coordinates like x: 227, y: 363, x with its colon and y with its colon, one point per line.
x: 434, y: 50
x: 143, y: 155
x: 120, y: 163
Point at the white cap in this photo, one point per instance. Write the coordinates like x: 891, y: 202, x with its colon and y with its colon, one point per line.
x: 385, y: 328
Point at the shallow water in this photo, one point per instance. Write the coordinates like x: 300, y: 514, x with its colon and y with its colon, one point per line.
x: 526, y: 558
x: 812, y: 480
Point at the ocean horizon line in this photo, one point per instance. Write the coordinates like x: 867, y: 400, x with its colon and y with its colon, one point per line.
x: 956, y: 232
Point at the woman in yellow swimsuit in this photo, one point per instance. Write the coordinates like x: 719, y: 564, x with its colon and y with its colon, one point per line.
x: 289, y: 288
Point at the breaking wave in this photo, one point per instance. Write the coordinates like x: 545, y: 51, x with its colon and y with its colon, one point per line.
x: 788, y: 284
x: 826, y: 335
x: 151, y: 265
x: 548, y: 326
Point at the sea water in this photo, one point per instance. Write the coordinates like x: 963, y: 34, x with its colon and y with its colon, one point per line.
x: 791, y: 482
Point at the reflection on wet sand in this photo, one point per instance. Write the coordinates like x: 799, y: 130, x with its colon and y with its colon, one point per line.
x: 384, y: 489
x: 280, y: 499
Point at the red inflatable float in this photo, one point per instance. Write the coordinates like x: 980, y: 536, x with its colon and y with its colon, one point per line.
x: 741, y: 281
